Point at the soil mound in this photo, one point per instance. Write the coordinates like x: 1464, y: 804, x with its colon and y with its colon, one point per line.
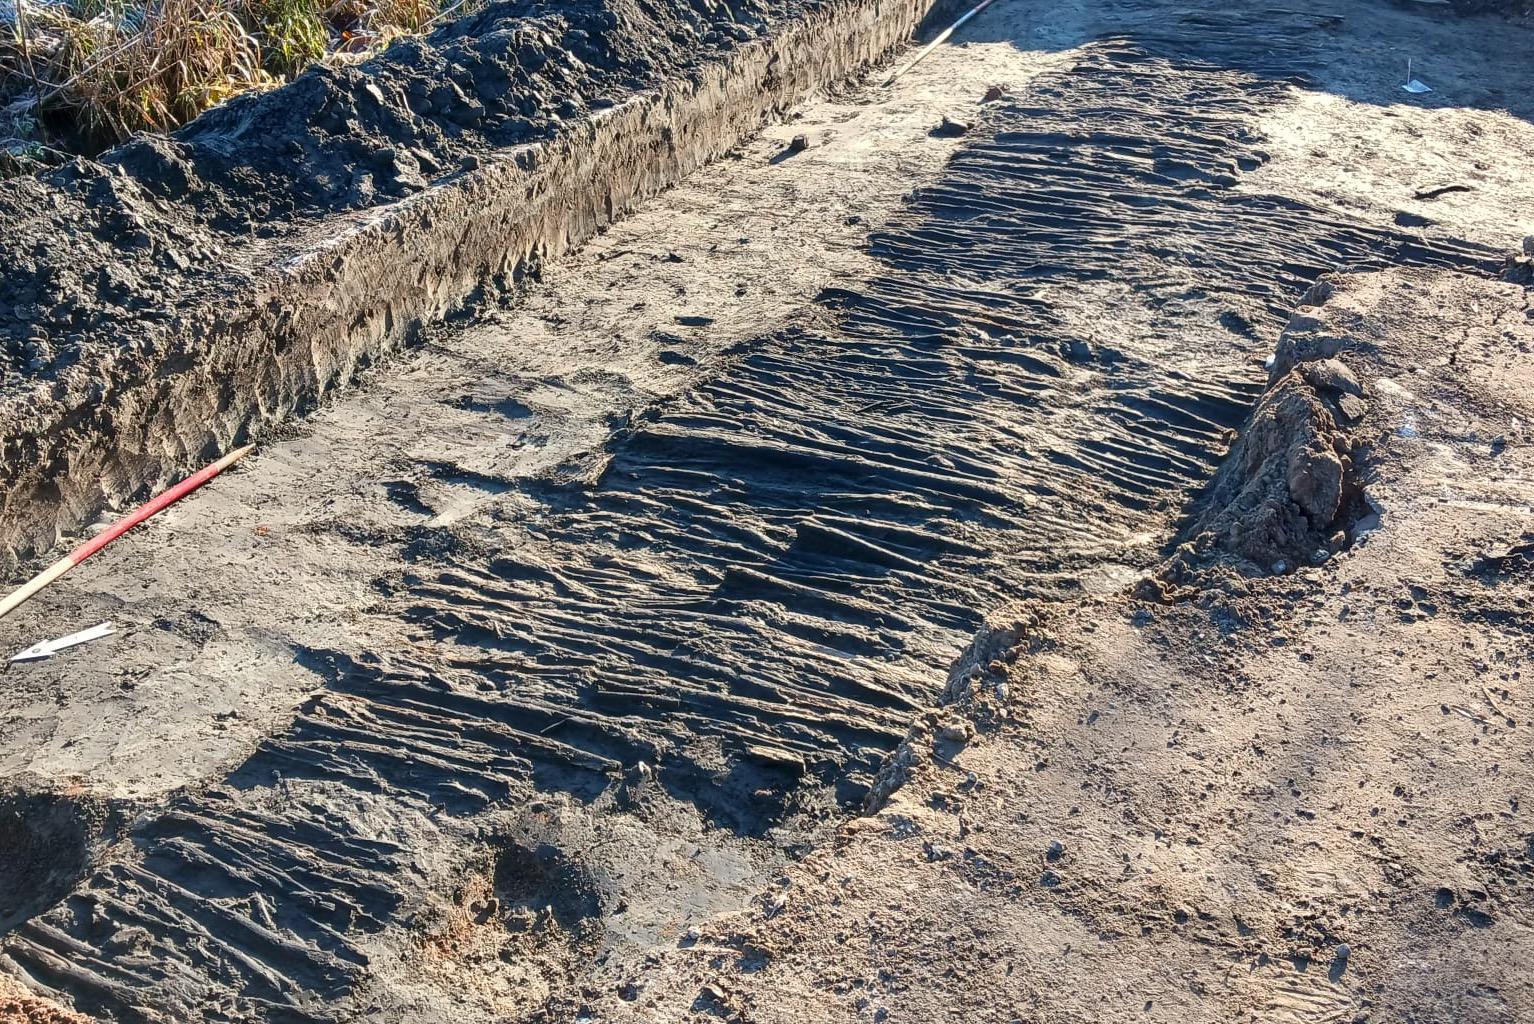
x: 1290, y: 492
x: 1281, y: 499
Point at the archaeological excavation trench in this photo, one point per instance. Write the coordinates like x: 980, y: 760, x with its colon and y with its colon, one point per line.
x: 706, y: 631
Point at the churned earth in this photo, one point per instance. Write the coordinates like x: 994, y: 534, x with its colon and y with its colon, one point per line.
x: 499, y: 685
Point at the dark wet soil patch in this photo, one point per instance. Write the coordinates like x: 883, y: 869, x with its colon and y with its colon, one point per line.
x: 45, y: 849
x: 533, y: 881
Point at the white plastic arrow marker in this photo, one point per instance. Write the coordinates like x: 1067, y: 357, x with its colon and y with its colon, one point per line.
x: 48, y: 648
x: 1412, y: 85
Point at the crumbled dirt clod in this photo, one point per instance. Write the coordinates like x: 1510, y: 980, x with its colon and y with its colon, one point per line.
x: 17, y: 1006
x: 955, y: 732
x: 1289, y: 487
x: 1283, y: 489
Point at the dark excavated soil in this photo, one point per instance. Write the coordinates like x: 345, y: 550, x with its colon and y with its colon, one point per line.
x: 740, y: 605
x: 95, y: 242
x: 183, y: 295
x: 42, y: 854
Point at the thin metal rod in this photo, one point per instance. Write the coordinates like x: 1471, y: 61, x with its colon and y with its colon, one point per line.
x: 942, y: 38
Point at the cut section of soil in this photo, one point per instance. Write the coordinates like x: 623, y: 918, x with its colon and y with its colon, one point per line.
x: 163, y: 303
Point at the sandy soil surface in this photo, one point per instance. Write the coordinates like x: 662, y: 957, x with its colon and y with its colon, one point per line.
x: 449, y: 705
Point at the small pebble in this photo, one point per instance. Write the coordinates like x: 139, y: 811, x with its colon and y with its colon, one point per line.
x: 955, y: 732
x: 951, y: 128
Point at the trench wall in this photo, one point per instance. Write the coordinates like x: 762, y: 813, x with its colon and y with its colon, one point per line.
x: 354, y: 293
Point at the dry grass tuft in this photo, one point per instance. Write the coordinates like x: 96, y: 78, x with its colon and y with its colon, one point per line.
x: 82, y: 75
x: 130, y: 75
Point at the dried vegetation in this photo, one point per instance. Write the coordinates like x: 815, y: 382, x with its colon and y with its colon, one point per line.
x: 77, y: 76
